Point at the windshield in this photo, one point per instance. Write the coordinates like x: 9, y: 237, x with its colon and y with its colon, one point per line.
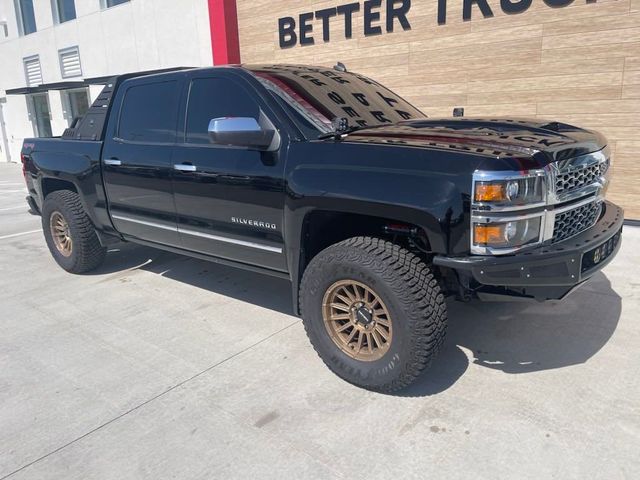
x: 316, y: 96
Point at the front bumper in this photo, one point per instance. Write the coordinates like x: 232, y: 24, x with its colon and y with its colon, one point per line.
x: 548, y: 272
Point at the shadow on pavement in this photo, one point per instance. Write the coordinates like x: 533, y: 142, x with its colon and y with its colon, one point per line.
x: 516, y: 338
x: 262, y: 290
x: 520, y: 338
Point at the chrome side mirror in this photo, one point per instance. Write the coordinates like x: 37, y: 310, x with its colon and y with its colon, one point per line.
x: 240, y: 132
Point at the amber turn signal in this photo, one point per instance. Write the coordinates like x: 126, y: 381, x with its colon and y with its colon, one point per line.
x: 490, y: 192
x: 489, y: 234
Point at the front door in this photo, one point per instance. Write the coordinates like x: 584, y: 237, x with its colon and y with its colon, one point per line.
x: 229, y: 200
x: 137, y: 161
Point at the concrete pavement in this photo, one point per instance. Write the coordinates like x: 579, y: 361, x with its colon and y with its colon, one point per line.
x: 160, y: 366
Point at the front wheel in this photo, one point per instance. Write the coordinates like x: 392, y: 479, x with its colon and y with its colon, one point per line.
x: 374, y: 312
x: 69, y: 233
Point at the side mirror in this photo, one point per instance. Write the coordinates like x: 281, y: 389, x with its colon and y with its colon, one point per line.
x: 240, y: 132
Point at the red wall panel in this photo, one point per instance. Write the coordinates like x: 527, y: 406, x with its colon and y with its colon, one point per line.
x: 223, y: 21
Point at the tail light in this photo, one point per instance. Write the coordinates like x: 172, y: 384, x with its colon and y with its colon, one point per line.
x: 24, y: 159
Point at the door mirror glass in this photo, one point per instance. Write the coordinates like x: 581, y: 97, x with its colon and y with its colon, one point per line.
x: 240, y: 132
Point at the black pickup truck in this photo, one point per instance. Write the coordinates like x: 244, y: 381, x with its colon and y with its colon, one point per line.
x: 328, y: 179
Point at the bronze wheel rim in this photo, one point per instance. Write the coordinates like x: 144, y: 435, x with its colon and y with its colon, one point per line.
x: 61, y: 234
x: 357, y: 320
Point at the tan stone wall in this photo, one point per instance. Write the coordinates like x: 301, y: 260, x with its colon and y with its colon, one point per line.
x: 578, y: 64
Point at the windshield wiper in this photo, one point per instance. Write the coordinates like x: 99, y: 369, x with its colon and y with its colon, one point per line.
x: 342, y: 128
x: 338, y: 134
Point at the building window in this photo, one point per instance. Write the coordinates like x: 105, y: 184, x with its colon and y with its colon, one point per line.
x: 112, y: 3
x: 32, y: 71
x: 75, y: 103
x: 40, y: 114
x: 63, y: 10
x: 26, y: 16
x: 70, y: 62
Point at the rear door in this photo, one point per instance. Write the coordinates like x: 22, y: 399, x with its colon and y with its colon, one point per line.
x: 229, y: 200
x: 137, y: 159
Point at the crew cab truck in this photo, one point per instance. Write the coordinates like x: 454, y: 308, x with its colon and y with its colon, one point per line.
x: 374, y: 212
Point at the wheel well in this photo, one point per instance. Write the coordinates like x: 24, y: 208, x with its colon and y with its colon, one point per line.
x: 50, y: 185
x: 323, y: 228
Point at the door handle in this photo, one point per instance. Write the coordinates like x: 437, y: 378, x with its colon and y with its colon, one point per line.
x: 113, y: 162
x: 183, y: 167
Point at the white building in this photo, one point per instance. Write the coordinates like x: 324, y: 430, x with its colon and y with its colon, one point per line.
x: 49, y: 47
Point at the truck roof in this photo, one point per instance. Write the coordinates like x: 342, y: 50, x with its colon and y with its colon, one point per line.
x: 92, y: 125
x: 250, y: 67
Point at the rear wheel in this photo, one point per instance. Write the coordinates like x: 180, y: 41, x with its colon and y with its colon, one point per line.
x: 69, y: 233
x: 374, y: 312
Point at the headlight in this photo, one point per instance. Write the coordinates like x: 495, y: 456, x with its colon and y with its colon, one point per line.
x: 508, y: 235
x: 507, y: 210
x: 525, y: 190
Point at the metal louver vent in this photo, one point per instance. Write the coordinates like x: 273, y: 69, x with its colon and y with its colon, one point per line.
x: 33, y: 71
x: 70, y: 62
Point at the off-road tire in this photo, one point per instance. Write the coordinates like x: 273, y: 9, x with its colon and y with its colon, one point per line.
x: 409, y: 290
x: 86, y: 253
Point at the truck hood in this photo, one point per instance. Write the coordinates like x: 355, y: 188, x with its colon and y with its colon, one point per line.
x: 496, y: 137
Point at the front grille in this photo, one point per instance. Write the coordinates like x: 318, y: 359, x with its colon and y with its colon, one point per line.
x: 575, y: 179
x: 573, y: 222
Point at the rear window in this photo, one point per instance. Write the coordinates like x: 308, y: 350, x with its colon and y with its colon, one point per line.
x: 150, y: 113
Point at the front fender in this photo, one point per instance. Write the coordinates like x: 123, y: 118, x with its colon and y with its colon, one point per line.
x: 428, y: 189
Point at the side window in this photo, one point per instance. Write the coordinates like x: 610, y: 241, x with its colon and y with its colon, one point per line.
x: 150, y: 113
x: 211, y: 98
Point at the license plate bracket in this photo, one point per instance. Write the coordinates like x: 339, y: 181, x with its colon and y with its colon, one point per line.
x: 601, y: 253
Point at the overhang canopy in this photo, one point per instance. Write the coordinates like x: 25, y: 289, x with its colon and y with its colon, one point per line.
x: 45, y: 87
x: 104, y: 80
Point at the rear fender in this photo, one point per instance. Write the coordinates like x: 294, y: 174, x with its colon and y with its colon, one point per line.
x: 79, y: 170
